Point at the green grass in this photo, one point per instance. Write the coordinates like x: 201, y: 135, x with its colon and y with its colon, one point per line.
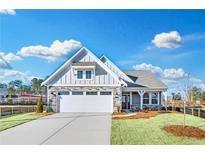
x: 148, y: 131
x: 14, y: 120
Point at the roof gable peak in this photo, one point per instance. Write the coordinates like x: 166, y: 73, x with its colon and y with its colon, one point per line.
x: 70, y: 60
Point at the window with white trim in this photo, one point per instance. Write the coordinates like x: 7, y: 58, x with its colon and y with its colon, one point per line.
x: 91, y: 93
x: 146, y: 98
x: 79, y: 74
x: 154, y: 98
x: 77, y: 93
x: 105, y: 93
x: 84, y: 74
x: 64, y: 93
x: 88, y: 74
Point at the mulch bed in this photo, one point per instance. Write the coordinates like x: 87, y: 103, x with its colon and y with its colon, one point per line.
x: 44, y: 113
x: 189, y: 131
x: 119, y: 113
x: 143, y: 114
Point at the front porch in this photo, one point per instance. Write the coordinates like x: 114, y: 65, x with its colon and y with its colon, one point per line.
x: 141, y: 99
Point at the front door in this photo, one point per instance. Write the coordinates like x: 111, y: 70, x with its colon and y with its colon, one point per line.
x: 125, y: 101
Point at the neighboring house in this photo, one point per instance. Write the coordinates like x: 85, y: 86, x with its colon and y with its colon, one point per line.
x: 85, y: 83
x: 30, y: 98
x: 3, y: 93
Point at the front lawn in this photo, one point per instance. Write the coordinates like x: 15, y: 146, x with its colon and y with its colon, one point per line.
x: 148, y: 131
x: 14, y: 120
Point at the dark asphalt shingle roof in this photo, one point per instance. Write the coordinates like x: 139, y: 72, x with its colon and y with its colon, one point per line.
x: 144, y: 78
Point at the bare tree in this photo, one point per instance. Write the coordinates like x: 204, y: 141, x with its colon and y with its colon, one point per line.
x: 185, y: 87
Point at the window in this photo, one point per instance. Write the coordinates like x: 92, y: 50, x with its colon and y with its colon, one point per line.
x: 79, y: 74
x: 105, y: 93
x: 154, y: 98
x: 146, y: 98
x: 77, y: 93
x: 88, y: 74
x: 91, y: 93
x: 64, y: 93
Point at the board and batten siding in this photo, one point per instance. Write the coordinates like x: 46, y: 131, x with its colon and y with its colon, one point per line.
x: 113, y: 69
x: 100, y: 76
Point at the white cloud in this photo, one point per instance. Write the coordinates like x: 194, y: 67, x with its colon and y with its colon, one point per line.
x: 57, y: 50
x: 170, y: 76
x: 169, y: 73
x: 148, y: 67
x: 174, y: 73
x: 5, y: 73
x: 7, y: 11
x: 168, y: 81
x: 10, y: 57
x: 202, y: 86
x: 167, y: 40
x: 4, y: 64
x: 196, y: 80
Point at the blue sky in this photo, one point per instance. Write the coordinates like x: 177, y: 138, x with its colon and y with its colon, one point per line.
x: 170, y: 43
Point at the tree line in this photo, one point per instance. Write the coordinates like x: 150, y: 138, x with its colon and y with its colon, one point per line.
x: 18, y: 87
x: 194, y: 94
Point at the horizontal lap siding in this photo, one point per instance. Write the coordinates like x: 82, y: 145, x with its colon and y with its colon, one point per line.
x: 101, y: 76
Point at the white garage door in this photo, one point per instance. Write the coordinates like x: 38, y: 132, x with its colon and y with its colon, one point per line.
x: 85, y: 102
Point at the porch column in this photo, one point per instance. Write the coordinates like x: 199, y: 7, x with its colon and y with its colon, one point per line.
x: 161, y: 97
x: 48, y: 103
x: 165, y: 99
x: 150, y: 98
x: 141, y: 93
x: 130, y: 99
x: 158, y: 98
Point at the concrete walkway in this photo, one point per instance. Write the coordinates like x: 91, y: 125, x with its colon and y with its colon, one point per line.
x: 62, y: 128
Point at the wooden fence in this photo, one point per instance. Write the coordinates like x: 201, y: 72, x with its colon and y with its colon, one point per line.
x: 15, y: 109
x: 180, y: 103
x: 192, y: 111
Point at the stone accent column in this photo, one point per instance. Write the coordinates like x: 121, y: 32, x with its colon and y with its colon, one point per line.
x: 117, y: 98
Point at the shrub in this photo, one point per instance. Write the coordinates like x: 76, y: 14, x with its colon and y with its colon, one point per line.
x: 39, y: 108
x: 47, y: 109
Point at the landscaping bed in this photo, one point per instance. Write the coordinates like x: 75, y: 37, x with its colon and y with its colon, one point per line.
x: 142, y: 114
x: 119, y: 113
x: 189, y: 131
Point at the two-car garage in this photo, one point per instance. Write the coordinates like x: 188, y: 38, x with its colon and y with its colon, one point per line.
x: 85, y: 101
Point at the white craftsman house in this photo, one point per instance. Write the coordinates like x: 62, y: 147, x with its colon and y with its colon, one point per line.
x: 86, y: 83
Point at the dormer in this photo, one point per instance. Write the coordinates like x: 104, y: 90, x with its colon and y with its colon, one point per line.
x: 84, y: 70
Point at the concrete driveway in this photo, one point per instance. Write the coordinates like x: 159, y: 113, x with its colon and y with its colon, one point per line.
x: 62, y: 128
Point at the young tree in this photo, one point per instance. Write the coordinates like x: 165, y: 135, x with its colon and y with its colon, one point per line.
x: 39, y: 108
x: 185, y: 86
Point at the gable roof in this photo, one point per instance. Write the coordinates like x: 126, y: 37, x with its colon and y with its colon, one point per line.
x: 68, y: 62
x: 125, y: 77
x: 144, y: 79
